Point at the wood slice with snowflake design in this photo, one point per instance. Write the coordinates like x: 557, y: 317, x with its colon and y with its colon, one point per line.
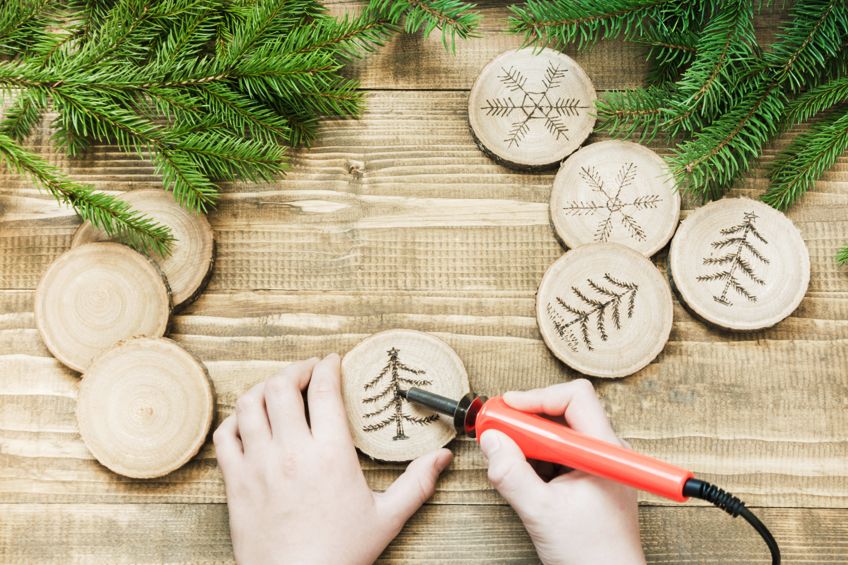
x: 383, y: 424
x: 615, y: 191
x: 604, y: 310
x: 739, y: 264
x: 531, y: 110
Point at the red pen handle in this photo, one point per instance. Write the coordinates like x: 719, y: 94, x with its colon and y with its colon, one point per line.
x: 544, y: 440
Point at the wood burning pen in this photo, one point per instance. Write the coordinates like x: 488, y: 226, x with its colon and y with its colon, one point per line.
x: 545, y: 440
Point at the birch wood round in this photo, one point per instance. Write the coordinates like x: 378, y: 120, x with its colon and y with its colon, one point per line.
x: 189, y: 266
x: 604, y: 310
x: 383, y: 424
x: 530, y: 110
x: 96, y: 295
x: 145, y: 407
x: 739, y: 264
x: 615, y: 191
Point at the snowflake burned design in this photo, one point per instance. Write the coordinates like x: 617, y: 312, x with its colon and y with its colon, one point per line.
x: 611, y: 205
x: 530, y: 105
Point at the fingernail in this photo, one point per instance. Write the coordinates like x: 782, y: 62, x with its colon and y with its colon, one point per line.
x: 443, y: 460
x: 489, y: 443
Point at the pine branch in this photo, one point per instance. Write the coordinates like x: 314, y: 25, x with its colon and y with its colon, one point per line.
x: 805, y: 160
x: 816, y: 100
x: 633, y: 113
x: 454, y: 18
x: 563, y: 22
x: 725, y: 53
x: 842, y: 256
x: 106, y: 212
x: 669, y: 53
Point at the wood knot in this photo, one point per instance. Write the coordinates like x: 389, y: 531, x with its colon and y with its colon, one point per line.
x: 355, y: 168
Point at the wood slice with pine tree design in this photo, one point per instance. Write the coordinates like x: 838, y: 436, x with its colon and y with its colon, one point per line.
x: 383, y: 424
x: 94, y: 296
x: 145, y: 407
x: 529, y: 110
x: 615, y: 191
x: 189, y: 265
x: 604, y: 310
x: 739, y: 264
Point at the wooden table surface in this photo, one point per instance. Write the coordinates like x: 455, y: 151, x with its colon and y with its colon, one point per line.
x: 398, y: 221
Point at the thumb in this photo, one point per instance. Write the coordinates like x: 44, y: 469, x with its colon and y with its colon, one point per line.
x: 509, y: 471
x: 412, y: 489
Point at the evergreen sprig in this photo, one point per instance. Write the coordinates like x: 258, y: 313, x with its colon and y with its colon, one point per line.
x: 454, y: 18
x: 209, y: 90
x: 713, y: 91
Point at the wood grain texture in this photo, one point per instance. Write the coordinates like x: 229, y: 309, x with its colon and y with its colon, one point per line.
x: 197, y: 533
x: 398, y: 220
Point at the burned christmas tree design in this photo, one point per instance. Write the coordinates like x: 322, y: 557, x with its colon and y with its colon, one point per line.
x: 740, y: 239
x: 531, y: 105
x: 611, y: 205
x: 394, y: 402
x: 613, y: 295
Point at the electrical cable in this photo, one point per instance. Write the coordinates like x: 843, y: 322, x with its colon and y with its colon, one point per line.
x: 703, y: 490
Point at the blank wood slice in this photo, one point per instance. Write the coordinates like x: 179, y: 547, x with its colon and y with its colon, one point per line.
x: 145, y: 407
x: 189, y: 265
x: 96, y: 295
x: 384, y: 425
x: 530, y: 110
x: 604, y: 310
x: 615, y: 191
x: 739, y: 264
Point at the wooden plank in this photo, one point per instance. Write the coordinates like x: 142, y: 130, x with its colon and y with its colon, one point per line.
x: 761, y: 415
x: 198, y: 533
x: 414, y: 206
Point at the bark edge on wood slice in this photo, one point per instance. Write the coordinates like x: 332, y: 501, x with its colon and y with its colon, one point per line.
x: 145, y: 407
x: 95, y: 295
x: 385, y: 426
x: 604, y: 310
x: 615, y: 191
x: 739, y: 264
x: 189, y: 266
x: 529, y: 110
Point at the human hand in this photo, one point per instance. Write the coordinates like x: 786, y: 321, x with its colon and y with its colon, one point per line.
x: 575, y: 518
x: 295, y: 490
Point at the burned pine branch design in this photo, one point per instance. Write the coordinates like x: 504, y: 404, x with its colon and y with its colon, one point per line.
x: 611, y: 204
x: 534, y: 104
x: 739, y: 239
x: 613, y: 293
x: 394, y: 402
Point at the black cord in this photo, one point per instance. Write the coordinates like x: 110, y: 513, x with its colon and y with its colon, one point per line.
x: 705, y: 491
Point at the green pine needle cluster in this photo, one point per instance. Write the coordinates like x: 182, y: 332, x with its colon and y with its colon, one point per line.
x: 208, y: 90
x: 712, y: 90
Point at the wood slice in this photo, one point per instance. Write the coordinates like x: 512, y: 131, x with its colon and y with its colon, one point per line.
x: 739, y: 264
x: 96, y: 295
x: 604, y: 310
x: 145, y: 407
x: 531, y: 110
x: 189, y: 266
x: 615, y: 191
x: 383, y: 424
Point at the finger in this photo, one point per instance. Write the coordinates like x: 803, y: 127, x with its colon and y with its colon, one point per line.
x: 252, y: 420
x: 510, y: 473
x: 228, y: 448
x: 284, y: 398
x: 327, y: 414
x: 412, y: 489
x: 575, y: 400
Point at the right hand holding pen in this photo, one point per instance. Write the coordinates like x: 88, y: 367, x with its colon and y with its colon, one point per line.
x: 575, y: 518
